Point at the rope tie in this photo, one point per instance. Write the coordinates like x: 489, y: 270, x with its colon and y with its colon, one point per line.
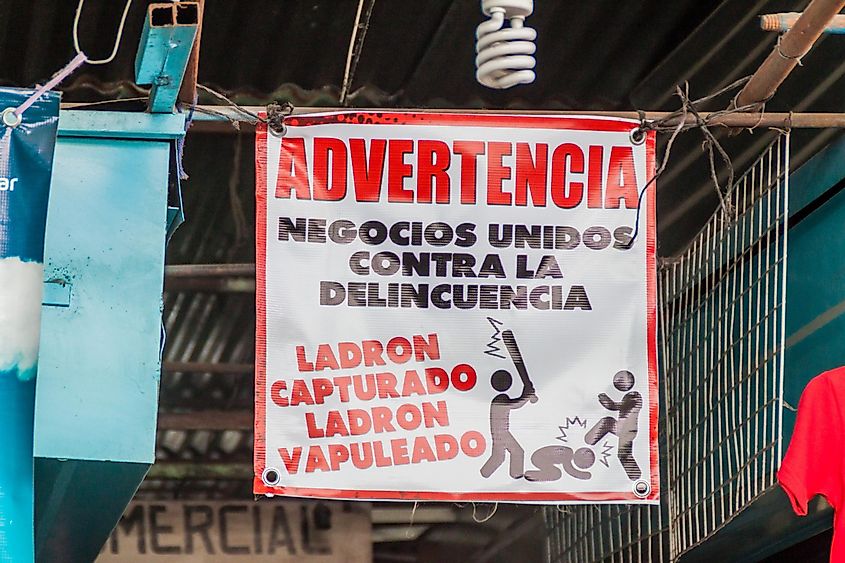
x: 276, y: 113
x: 686, y: 118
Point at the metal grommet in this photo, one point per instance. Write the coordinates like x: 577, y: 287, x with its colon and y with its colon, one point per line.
x: 277, y: 130
x: 276, y: 115
x: 11, y: 118
x: 637, y: 136
x: 271, y: 476
x: 642, y: 488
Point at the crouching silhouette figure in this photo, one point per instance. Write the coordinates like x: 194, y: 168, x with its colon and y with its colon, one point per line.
x: 548, y: 458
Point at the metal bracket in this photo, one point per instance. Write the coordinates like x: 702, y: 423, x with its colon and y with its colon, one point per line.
x: 166, y: 43
x: 56, y: 293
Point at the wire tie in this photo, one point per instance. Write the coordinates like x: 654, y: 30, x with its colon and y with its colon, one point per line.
x: 783, y: 55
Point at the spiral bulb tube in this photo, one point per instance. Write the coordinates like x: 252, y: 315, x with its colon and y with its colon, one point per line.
x: 505, y: 54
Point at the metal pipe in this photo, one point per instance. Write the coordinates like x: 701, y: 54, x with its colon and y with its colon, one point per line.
x: 217, y: 118
x: 208, y: 367
x: 206, y: 420
x: 209, y: 270
x: 233, y: 284
x: 167, y: 470
x: 785, y: 21
x: 793, y: 45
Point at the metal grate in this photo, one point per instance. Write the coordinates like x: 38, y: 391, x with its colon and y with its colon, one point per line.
x: 722, y: 315
x: 722, y: 305
x: 606, y: 533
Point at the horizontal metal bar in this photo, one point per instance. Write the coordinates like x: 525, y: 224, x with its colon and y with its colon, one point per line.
x: 393, y: 533
x: 120, y: 124
x: 217, y: 118
x: 211, y: 285
x: 402, y: 514
x: 208, y: 270
x: 222, y: 114
x: 208, y: 367
x: 167, y: 470
x: 206, y: 420
x: 214, y: 278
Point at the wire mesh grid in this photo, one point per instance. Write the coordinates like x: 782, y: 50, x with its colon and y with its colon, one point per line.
x: 606, y: 532
x: 722, y: 306
x: 722, y: 324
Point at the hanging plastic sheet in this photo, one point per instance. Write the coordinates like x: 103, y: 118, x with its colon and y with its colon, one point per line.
x: 26, y: 160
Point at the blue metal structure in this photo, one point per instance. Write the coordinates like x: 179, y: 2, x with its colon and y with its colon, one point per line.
x: 166, y: 41
x: 97, y: 389
x: 96, y: 395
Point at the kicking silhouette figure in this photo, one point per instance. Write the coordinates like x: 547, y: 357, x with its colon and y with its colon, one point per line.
x: 500, y: 411
x: 625, y: 427
x: 547, y: 459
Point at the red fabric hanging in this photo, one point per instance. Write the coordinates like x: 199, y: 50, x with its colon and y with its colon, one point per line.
x: 815, y: 461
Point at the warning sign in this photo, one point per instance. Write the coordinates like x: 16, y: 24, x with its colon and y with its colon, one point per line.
x: 456, y: 306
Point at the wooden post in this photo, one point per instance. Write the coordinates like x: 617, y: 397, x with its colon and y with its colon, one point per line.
x: 793, y: 45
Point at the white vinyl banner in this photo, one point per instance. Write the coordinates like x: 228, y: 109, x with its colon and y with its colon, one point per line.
x: 456, y: 307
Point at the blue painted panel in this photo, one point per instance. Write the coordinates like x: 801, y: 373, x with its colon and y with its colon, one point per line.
x: 816, y: 271
x: 97, y: 390
x: 816, y: 176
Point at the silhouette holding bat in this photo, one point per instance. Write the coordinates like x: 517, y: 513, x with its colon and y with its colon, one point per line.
x: 500, y: 410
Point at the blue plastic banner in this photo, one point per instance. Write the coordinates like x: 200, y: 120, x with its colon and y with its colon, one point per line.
x: 26, y: 161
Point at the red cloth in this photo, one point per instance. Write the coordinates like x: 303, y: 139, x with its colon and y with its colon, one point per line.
x: 815, y: 461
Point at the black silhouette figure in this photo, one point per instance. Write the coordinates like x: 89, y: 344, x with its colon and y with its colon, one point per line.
x: 547, y: 459
x: 625, y: 427
x: 500, y: 410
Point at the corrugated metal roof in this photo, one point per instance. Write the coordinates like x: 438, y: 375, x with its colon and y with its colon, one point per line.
x: 601, y: 55
x: 590, y: 54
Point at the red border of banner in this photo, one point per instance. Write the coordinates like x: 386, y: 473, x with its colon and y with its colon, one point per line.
x: 479, y: 120
x: 651, y: 312
x: 259, y: 443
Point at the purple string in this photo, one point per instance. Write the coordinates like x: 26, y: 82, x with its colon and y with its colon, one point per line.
x: 74, y: 64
